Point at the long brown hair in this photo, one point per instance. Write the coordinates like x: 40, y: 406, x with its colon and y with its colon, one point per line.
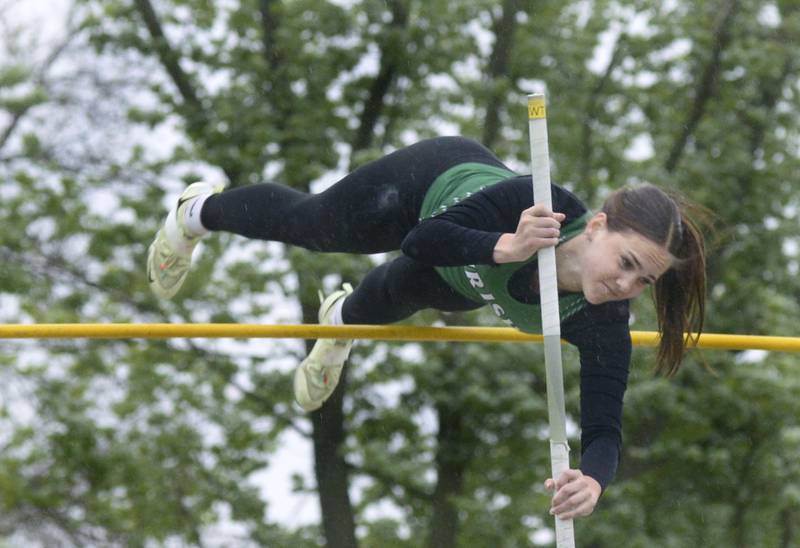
x: 670, y: 220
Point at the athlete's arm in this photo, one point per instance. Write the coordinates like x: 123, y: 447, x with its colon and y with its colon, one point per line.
x: 602, y: 336
x: 470, y: 232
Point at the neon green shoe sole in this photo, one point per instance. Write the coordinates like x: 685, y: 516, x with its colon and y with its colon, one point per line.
x: 317, y: 376
x: 169, y: 257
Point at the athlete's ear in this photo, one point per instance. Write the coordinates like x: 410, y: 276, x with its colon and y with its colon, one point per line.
x: 598, y: 222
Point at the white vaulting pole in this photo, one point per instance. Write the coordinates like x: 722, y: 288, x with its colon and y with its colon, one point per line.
x: 551, y: 320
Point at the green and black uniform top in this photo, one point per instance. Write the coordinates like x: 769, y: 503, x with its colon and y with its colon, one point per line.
x: 464, y: 213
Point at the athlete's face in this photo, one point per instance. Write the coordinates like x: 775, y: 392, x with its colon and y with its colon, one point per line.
x: 619, y: 265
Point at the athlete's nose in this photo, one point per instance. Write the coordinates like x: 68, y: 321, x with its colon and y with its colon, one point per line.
x: 626, y: 283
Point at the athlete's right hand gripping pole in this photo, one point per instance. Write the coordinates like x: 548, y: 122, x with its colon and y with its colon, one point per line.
x: 551, y: 320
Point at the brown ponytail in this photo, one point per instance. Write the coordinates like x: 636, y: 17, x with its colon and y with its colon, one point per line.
x: 670, y: 220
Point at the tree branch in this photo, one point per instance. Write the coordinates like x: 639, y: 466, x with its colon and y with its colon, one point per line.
x: 503, y: 29
x: 49, y: 266
x: 169, y: 59
x: 287, y: 417
x: 705, y: 89
x: 269, y: 26
x: 591, y: 107
x: 375, y: 102
x: 197, y: 118
x: 390, y: 480
x: 39, y: 81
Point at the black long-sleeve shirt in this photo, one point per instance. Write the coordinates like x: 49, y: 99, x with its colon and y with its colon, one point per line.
x: 467, y: 232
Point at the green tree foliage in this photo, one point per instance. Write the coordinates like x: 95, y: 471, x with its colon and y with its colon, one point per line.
x: 134, y: 443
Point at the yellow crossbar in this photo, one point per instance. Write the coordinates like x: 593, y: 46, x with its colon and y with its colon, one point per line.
x: 379, y: 332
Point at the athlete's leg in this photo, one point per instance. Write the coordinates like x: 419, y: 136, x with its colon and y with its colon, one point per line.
x: 389, y: 293
x: 395, y: 290
x: 368, y: 211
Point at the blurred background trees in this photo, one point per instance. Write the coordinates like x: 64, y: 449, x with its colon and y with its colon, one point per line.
x: 133, y: 443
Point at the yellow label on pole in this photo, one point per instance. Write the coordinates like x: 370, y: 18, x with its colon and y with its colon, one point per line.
x: 536, y: 108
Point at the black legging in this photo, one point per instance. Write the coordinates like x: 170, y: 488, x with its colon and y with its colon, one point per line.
x: 369, y: 211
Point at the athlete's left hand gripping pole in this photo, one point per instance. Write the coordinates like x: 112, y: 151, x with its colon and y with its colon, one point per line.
x: 551, y: 319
